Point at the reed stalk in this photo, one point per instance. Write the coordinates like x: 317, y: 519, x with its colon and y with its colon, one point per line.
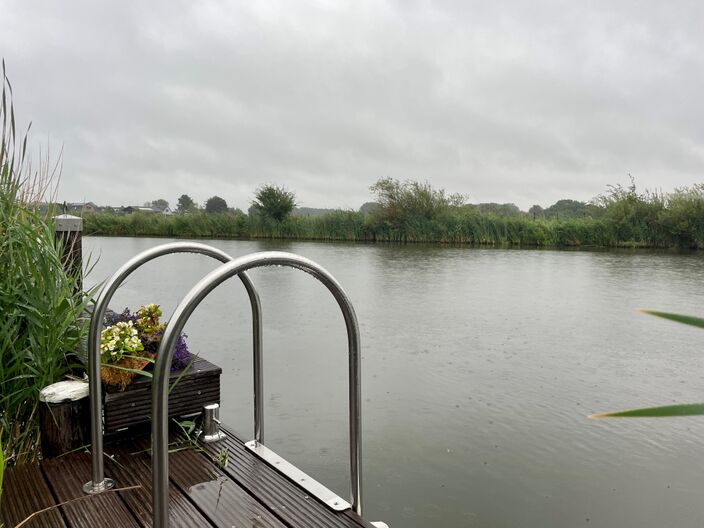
x: 40, y: 326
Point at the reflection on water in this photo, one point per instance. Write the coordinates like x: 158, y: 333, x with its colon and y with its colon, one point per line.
x: 226, y: 503
x: 479, y: 368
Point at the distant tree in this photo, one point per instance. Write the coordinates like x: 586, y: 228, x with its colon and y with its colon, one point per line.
x: 536, y: 212
x: 160, y: 204
x: 273, y: 202
x: 369, y: 208
x: 503, y: 210
x: 216, y: 204
x: 567, y: 209
x: 311, y: 212
x: 185, y: 204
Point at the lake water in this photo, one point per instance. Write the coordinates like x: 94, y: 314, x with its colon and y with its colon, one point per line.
x: 479, y: 369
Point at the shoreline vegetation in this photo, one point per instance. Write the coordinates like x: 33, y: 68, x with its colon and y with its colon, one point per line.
x: 41, y: 302
x: 413, y: 212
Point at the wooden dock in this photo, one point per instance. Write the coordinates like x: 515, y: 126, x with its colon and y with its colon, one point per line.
x: 244, y: 492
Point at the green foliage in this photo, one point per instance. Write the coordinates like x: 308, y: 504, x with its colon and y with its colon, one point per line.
x: 666, y: 411
x: 633, y: 216
x: 215, y: 204
x: 271, y: 201
x: 415, y: 212
x: 222, y: 458
x: 504, y: 210
x: 411, y: 202
x: 194, y: 225
x: 571, y: 209
x: 536, y: 212
x: 306, y: 211
x: 683, y: 219
x: 40, y: 302
x: 185, y: 204
x: 684, y: 319
x: 368, y: 208
x: 684, y: 409
x: 149, y: 320
x: 188, y: 439
x: 455, y: 225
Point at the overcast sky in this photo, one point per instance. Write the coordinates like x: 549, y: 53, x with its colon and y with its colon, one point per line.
x: 507, y: 101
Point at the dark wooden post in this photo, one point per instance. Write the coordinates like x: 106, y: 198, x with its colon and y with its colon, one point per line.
x: 68, y: 231
x: 63, y: 411
x: 63, y: 417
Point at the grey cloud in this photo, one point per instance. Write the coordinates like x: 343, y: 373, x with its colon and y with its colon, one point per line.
x: 511, y: 101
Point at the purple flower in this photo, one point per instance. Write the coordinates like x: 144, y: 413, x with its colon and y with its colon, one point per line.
x: 151, y: 341
x: 181, y: 354
x: 112, y: 317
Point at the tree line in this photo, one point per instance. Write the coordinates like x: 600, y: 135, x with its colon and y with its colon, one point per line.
x: 411, y: 211
x: 269, y: 200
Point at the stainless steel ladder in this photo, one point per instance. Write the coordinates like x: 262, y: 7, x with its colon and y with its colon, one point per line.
x: 99, y: 483
x: 231, y: 267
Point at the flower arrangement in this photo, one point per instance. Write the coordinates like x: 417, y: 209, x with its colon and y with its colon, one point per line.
x: 118, y: 341
x: 129, y: 343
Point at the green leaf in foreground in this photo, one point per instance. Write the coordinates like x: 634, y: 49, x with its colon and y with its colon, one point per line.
x: 684, y: 319
x: 685, y: 409
x: 134, y: 371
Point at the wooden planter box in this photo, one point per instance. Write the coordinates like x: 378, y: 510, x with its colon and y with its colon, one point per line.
x: 199, y: 386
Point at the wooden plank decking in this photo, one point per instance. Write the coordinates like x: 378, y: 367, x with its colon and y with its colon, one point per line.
x: 247, y: 492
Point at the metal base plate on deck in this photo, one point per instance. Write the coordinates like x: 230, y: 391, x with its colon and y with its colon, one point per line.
x: 93, y: 489
x: 305, y: 481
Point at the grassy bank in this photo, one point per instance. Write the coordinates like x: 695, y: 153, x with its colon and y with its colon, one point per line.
x: 350, y: 226
x: 627, y: 221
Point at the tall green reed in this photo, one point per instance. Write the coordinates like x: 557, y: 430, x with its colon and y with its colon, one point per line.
x: 40, y: 302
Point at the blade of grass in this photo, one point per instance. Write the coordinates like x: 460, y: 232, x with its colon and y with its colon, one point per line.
x: 183, y: 371
x: 684, y: 319
x: 135, y: 371
x: 684, y: 409
x: 71, y: 501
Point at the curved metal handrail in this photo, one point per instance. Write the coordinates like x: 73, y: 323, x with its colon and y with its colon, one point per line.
x: 160, y: 458
x: 99, y: 482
